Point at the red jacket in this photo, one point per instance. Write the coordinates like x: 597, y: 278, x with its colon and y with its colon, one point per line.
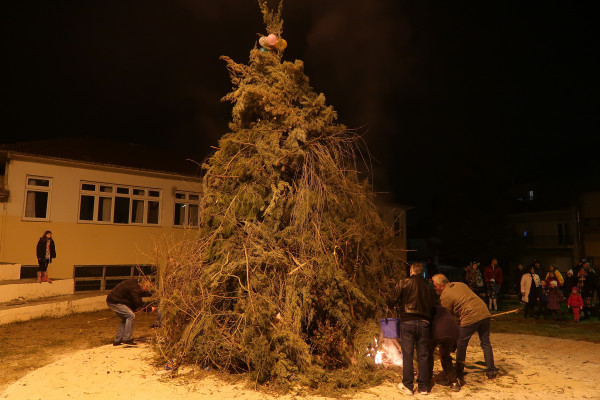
x: 575, y: 300
x: 495, y: 273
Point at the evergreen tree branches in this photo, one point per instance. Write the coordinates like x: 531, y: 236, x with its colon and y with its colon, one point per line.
x: 291, y: 260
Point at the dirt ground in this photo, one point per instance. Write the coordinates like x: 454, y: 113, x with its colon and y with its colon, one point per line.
x: 76, y: 360
x: 29, y: 345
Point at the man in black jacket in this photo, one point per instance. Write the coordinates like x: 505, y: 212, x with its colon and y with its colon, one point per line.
x: 416, y: 301
x: 124, y: 300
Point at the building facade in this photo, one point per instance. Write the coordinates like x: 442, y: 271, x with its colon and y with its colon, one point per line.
x: 561, y: 235
x: 106, y: 216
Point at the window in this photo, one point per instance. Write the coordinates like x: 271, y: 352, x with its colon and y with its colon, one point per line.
x: 118, y: 204
x: 37, y: 198
x: 105, y: 277
x: 187, y: 206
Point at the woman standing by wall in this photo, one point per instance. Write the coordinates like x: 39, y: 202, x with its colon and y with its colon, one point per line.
x: 45, y: 251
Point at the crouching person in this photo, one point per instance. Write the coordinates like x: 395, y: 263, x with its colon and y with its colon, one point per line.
x: 444, y: 334
x: 473, y: 315
x: 124, y: 300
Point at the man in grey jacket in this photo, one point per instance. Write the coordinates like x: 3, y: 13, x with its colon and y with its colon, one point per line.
x: 474, y: 317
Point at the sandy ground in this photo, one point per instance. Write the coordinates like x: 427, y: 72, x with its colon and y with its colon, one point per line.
x: 531, y: 367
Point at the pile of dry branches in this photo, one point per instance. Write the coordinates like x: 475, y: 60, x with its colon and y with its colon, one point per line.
x: 291, y: 260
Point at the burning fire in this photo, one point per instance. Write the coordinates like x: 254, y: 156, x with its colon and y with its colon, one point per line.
x: 386, y: 352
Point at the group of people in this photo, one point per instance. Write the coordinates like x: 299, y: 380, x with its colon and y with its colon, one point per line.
x: 489, y: 285
x: 428, y: 323
x: 543, y: 292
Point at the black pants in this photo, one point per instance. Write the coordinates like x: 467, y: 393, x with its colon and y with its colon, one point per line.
x: 530, y: 308
x: 43, y: 264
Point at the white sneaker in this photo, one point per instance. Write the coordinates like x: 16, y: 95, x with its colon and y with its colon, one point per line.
x: 404, y: 390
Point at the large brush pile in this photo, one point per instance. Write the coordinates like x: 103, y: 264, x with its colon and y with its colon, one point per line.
x: 292, y: 259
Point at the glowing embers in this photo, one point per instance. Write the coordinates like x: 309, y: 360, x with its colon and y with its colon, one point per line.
x: 385, y: 352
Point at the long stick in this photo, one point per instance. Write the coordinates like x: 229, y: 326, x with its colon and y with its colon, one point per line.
x: 507, y: 312
x: 100, y: 319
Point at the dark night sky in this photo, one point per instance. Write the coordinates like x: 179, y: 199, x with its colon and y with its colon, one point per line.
x: 450, y: 94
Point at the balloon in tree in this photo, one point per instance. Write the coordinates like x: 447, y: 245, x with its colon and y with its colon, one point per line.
x: 292, y: 261
x: 271, y: 40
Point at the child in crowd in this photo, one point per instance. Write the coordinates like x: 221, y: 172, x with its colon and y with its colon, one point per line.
x: 555, y: 296
x: 491, y: 294
x: 551, y: 277
x: 575, y: 302
x: 542, y: 294
x: 554, y: 270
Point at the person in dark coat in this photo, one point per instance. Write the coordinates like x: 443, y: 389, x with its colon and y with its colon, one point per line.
x: 586, y: 286
x: 592, y: 278
x: 542, y: 297
x: 538, y: 269
x: 45, y: 252
x: 555, y: 297
x: 416, y: 301
x: 474, y: 279
x: 493, y: 279
x: 124, y: 300
x: 570, y: 283
x: 444, y: 334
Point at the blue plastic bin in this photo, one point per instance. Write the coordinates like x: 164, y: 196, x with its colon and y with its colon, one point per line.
x: 390, y: 327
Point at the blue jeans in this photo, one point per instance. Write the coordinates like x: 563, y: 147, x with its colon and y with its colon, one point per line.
x: 127, y: 319
x: 483, y: 330
x: 415, y: 334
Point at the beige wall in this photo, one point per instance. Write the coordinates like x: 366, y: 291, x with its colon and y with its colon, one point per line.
x: 82, y: 243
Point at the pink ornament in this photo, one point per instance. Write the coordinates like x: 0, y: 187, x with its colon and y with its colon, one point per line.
x: 271, y: 40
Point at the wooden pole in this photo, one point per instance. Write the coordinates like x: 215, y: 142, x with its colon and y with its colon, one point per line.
x: 507, y: 312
